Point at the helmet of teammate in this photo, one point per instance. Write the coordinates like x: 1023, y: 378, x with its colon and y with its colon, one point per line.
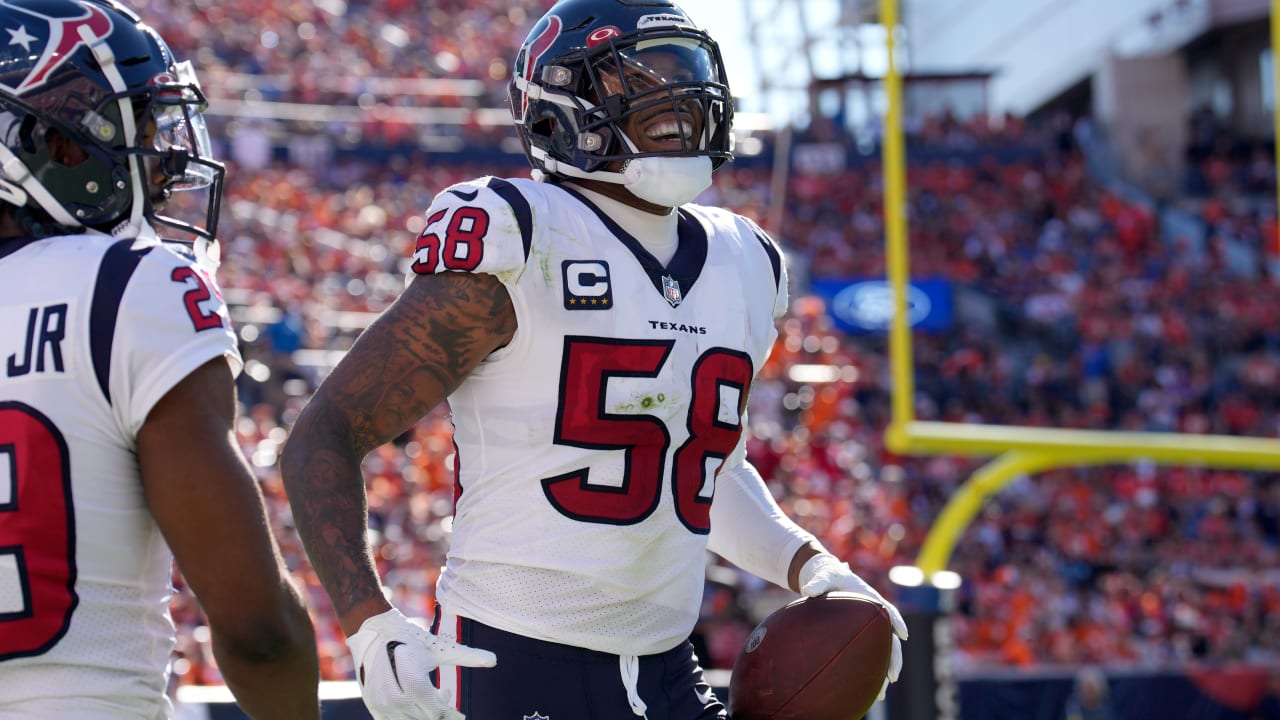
x: 587, y: 66
x: 90, y: 72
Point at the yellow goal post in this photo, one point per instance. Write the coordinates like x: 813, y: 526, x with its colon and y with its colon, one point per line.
x: 1017, y: 451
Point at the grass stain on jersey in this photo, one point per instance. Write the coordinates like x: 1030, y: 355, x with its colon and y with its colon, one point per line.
x: 659, y: 404
x: 543, y: 260
x: 649, y: 402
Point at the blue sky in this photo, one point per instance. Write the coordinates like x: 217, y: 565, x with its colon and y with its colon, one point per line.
x: 723, y: 19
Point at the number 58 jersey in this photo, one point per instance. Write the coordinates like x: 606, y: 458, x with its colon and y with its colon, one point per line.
x: 93, y: 332
x: 587, y: 448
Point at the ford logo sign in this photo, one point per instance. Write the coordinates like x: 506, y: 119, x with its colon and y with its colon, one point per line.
x: 869, y: 305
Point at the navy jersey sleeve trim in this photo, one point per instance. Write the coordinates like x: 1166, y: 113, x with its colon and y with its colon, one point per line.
x: 117, y: 268
x: 520, y: 205
x: 771, y: 249
x: 13, y: 245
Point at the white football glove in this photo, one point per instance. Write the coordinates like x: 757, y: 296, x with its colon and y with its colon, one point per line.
x: 823, y: 573
x: 393, y: 660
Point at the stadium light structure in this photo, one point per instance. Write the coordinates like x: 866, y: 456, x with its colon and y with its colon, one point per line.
x: 927, y: 688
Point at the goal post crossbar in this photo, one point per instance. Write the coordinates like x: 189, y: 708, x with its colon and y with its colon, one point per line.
x: 1017, y: 451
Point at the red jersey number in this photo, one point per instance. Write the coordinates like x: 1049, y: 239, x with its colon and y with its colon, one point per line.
x: 461, y: 247
x: 37, y: 533
x: 201, y: 319
x: 581, y: 421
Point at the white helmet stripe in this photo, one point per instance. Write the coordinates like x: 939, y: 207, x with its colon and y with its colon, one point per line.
x: 107, y: 61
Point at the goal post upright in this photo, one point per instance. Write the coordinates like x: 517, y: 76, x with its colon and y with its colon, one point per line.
x: 893, y: 167
x: 1016, y: 450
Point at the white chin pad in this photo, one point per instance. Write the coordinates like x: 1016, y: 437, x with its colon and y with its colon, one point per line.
x: 668, y: 181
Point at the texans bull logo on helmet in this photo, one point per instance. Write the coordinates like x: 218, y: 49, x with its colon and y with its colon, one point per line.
x: 54, y: 38
x: 537, y: 47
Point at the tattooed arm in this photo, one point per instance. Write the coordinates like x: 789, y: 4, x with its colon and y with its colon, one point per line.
x: 407, y: 362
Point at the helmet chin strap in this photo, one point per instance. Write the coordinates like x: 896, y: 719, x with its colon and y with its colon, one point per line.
x: 664, y: 181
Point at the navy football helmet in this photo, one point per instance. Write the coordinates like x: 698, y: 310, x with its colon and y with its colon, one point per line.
x: 589, y: 65
x: 91, y: 72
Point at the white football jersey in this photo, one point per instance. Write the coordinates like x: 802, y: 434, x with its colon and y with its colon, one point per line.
x: 93, y: 332
x: 587, y: 448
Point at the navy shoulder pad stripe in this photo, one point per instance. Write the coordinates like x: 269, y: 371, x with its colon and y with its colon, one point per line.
x: 770, y: 248
x: 114, y: 273
x: 520, y: 205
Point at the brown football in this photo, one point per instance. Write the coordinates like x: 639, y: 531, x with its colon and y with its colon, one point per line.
x: 818, y: 658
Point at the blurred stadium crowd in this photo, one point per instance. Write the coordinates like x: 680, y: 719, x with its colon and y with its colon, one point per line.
x: 1089, y: 311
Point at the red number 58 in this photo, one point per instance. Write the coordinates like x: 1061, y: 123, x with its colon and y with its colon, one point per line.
x: 461, y: 247
x: 583, y: 421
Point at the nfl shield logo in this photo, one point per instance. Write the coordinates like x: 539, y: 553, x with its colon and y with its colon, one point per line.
x: 671, y: 290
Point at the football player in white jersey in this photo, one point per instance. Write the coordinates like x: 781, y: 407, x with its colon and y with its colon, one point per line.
x: 117, y: 399
x: 596, y: 336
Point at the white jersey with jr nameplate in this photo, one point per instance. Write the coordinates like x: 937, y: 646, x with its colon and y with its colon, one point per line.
x: 587, y: 448
x: 93, y: 332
